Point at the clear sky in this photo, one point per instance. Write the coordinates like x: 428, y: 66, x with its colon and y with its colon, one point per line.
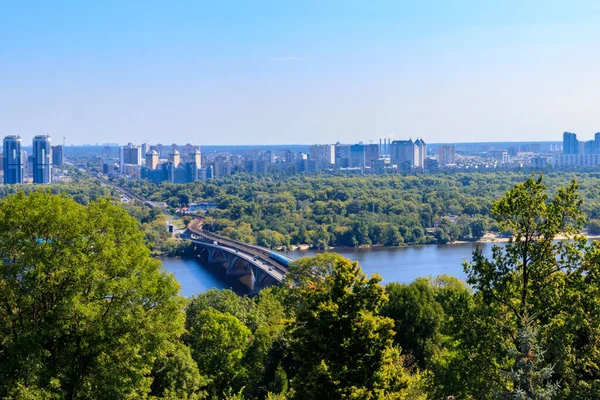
x: 274, y: 72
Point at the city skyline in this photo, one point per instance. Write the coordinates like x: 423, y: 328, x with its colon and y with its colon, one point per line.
x: 277, y: 73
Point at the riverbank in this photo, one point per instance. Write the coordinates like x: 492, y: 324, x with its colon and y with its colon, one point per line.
x: 487, y: 238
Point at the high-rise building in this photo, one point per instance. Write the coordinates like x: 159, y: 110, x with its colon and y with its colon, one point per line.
x: 371, y: 154
x: 175, y: 157
x: 129, y: 155
x: 446, y: 155
x: 570, y: 143
x: 13, y: 160
x: 145, y: 148
x: 404, y: 154
x: 323, y: 155
x: 58, y: 155
x: 42, y: 159
x: 342, y: 155
x: 152, y: 159
x: 421, y: 153
x: 195, y: 157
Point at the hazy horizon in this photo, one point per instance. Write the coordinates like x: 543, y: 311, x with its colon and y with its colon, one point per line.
x: 277, y: 73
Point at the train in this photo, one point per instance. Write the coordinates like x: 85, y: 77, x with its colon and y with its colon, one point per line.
x: 281, y: 259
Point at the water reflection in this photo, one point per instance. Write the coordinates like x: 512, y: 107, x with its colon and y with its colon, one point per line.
x: 195, y: 276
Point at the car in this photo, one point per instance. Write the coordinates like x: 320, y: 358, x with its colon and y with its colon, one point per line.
x: 270, y: 268
x: 255, y: 258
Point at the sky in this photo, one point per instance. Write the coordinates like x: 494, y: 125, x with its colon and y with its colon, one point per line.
x: 299, y: 72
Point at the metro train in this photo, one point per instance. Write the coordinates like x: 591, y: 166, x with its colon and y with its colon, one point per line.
x: 280, y: 258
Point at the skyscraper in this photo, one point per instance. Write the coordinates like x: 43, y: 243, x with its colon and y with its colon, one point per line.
x: 42, y: 159
x: 404, y: 154
x: 152, y: 160
x: 421, y: 149
x: 446, y: 155
x: 175, y: 157
x: 13, y: 160
x: 570, y: 143
x: 58, y: 155
x: 130, y: 155
x: 323, y: 155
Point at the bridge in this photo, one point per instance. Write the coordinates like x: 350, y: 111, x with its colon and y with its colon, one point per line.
x: 262, y: 266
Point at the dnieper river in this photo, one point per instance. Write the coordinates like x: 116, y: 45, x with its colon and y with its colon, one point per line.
x: 399, y: 264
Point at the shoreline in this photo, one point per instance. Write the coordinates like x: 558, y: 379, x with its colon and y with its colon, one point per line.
x: 487, y: 238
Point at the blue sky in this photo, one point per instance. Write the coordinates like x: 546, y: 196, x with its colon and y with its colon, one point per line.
x: 251, y: 72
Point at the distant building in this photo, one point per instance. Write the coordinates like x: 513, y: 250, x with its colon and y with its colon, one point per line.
x: 570, y: 143
x: 195, y: 157
x: 538, y: 162
x: 404, y: 154
x: 129, y: 155
x: 342, y: 155
x: 13, y: 160
x: 152, y: 160
x: 500, y: 155
x: 58, y: 156
x: 323, y: 155
x: 421, y: 150
x: 145, y: 148
x: 569, y: 160
x: 446, y: 155
x: 357, y: 156
x: 174, y: 157
x: 42, y: 159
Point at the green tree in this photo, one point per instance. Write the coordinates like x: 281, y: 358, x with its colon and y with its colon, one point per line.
x: 85, y: 311
x: 529, y: 377
x: 477, y: 228
x: 417, y: 317
x: 529, y: 276
x: 218, y: 342
x: 341, y: 345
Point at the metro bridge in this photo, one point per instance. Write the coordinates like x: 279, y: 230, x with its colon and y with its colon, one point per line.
x: 261, y: 267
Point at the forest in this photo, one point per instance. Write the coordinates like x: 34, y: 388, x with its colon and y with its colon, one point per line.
x: 86, y: 313
x: 349, y: 211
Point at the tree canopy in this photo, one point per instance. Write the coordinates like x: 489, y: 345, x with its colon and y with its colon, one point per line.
x: 84, y: 310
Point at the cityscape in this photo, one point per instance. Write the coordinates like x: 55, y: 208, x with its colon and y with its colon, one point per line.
x: 279, y: 200
x: 181, y: 164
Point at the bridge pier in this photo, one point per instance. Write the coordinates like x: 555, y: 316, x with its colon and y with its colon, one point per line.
x: 253, y: 269
x: 237, y: 266
x: 216, y: 256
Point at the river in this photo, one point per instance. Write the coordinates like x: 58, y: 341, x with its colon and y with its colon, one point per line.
x: 400, y: 264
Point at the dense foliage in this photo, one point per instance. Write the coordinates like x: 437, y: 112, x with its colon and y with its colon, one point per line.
x: 353, y: 211
x: 86, y: 313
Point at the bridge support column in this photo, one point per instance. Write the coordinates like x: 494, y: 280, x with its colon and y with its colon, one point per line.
x: 262, y: 279
x: 237, y: 266
x: 216, y: 256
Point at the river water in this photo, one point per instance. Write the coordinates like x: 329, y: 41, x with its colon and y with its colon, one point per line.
x: 401, y: 264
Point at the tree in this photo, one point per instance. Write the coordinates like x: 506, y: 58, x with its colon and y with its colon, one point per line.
x: 477, y: 228
x: 530, y: 379
x: 528, y: 262
x: 84, y: 310
x: 218, y: 342
x: 417, y: 318
x: 341, y: 345
x: 529, y: 276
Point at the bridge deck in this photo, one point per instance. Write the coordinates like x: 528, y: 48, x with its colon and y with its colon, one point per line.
x: 257, y: 256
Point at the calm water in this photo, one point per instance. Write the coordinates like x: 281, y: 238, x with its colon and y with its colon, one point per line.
x: 393, y: 264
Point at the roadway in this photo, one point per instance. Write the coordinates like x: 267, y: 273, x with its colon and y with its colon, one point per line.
x: 255, y: 255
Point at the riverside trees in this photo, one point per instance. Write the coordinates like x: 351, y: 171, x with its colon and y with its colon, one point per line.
x: 86, y: 313
x: 84, y: 310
